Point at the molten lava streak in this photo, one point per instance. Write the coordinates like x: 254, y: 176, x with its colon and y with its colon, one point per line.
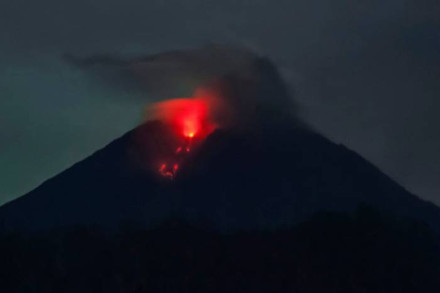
x: 190, y: 120
x: 169, y: 169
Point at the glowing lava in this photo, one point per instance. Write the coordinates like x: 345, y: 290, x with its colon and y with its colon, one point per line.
x: 170, y: 168
x: 189, y: 117
x: 191, y: 121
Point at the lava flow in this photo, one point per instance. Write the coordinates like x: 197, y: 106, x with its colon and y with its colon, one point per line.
x: 169, y: 169
x: 191, y: 121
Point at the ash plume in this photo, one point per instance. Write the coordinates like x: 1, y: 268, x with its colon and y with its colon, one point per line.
x: 248, y: 86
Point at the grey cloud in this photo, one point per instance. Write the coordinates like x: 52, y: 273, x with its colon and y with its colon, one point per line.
x: 250, y: 84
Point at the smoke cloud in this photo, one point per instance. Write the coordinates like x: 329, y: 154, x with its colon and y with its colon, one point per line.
x: 245, y: 90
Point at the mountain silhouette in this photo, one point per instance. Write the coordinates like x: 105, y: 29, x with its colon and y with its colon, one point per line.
x: 237, y: 180
x: 274, y: 211
x: 262, y: 204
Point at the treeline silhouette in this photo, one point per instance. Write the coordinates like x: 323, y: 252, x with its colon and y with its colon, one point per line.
x: 365, y: 251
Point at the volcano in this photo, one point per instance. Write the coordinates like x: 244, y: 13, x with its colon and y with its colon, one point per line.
x: 259, y: 203
x: 235, y: 181
x: 272, y: 211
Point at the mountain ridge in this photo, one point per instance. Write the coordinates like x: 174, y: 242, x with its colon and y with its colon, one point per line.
x: 237, y: 180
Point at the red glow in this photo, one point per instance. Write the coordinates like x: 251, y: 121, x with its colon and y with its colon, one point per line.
x: 191, y: 119
x: 166, y: 172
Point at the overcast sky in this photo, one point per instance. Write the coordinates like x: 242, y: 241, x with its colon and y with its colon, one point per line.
x: 365, y: 74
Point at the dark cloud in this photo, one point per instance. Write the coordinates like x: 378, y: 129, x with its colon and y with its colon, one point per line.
x: 248, y: 83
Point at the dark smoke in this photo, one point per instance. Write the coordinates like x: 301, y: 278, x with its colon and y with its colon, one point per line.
x: 250, y: 84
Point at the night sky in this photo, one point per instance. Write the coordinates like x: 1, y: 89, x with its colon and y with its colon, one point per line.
x: 365, y: 74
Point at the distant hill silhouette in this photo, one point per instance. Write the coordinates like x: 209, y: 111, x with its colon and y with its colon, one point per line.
x: 364, y: 251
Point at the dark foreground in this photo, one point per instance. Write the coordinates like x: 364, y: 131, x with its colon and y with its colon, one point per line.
x: 365, y: 251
